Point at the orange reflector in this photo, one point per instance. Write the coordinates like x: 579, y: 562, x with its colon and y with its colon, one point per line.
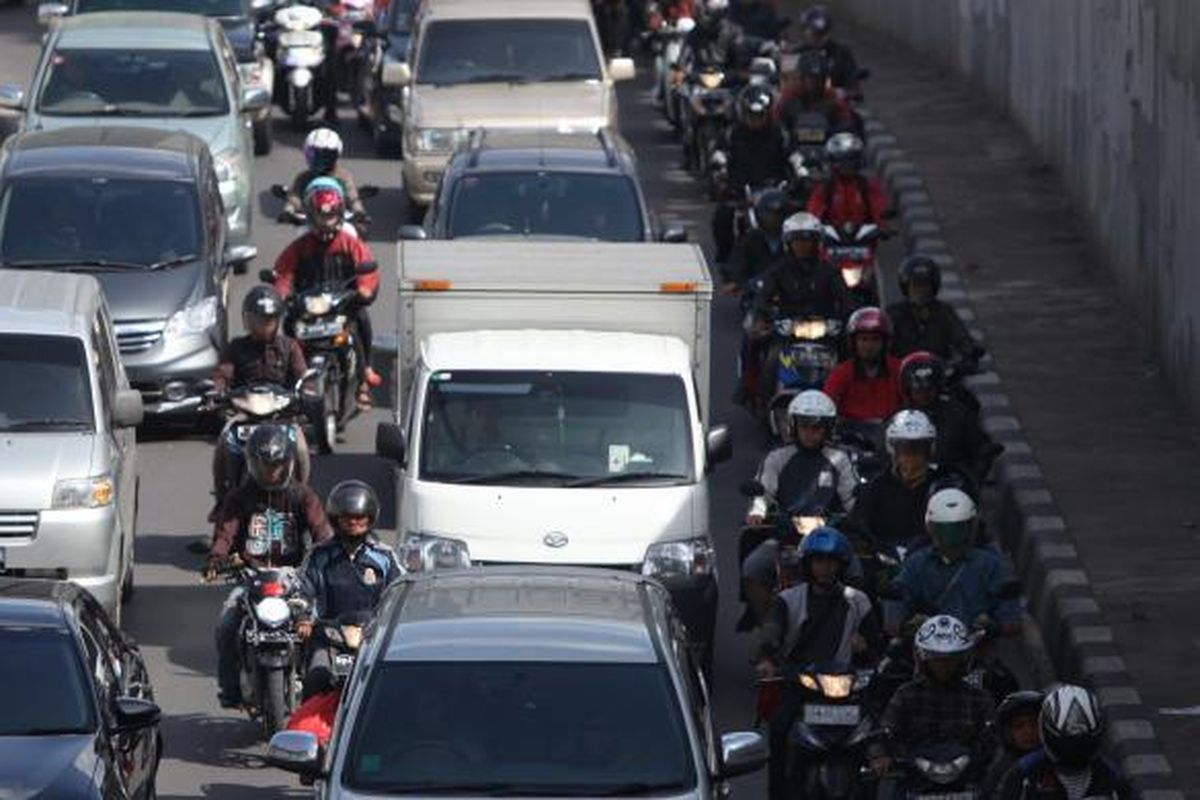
x: 432, y: 286
x: 677, y: 287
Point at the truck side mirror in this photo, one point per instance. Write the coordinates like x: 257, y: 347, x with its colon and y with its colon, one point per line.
x: 718, y: 445
x: 389, y: 442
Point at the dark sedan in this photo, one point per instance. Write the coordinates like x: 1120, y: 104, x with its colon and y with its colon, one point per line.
x: 79, y: 717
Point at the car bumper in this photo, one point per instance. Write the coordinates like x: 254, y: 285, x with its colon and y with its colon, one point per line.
x: 422, y: 173
x: 79, y: 545
x: 173, y: 377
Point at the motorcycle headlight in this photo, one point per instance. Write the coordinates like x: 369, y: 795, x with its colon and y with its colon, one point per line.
x: 853, y: 276
x: 419, y: 553
x: 95, y: 492
x: 193, y: 319
x: 809, y: 329
x: 272, y: 611
x: 711, y: 80
x: 806, y: 525
x: 943, y: 772
x: 836, y: 687
x: 680, y: 559
x: 437, y: 140
x: 318, y: 304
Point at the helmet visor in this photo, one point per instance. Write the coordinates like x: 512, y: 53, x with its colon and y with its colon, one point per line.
x: 951, y: 535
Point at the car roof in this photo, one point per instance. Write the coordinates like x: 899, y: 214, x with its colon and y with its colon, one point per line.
x: 563, y: 350
x: 510, y: 9
x: 47, y: 303
x: 151, y: 30
x: 525, y: 614
x: 35, y: 603
x: 114, y: 151
x: 504, y: 150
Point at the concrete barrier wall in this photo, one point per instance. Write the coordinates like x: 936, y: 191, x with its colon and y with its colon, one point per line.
x: 1109, y: 92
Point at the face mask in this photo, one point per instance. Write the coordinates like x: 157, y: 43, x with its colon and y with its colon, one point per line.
x: 952, y: 537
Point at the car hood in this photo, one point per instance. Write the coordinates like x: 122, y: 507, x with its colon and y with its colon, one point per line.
x: 216, y: 131
x: 511, y: 524
x: 577, y: 104
x: 241, y: 34
x: 30, y: 463
x: 145, y: 295
x: 37, y: 767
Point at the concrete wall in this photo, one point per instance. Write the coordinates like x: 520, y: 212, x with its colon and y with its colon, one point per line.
x: 1109, y: 92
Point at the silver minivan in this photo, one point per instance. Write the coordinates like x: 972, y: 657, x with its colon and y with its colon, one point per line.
x: 68, y: 471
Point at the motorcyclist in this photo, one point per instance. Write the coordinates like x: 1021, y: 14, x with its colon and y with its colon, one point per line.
x: 922, y: 322
x: 714, y: 40
x: 953, y: 576
x: 817, y: 25
x: 808, y: 468
x: 848, y: 196
x: 322, y: 149
x: 820, y: 620
x: 866, y: 386
x: 938, y: 706
x: 328, y: 253
x: 761, y: 246
x: 1016, y: 727
x: 758, y: 18
x: 805, y: 90
x: 962, y: 443
x: 612, y: 20
x: 1069, y: 763
x: 271, y: 520
x: 757, y: 159
x: 346, y: 574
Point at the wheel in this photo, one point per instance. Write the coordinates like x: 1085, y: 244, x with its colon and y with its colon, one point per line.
x: 301, y: 109
x: 273, y: 696
x: 262, y: 137
x: 330, y: 413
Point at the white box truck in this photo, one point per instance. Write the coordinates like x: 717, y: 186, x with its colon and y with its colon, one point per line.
x: 553, y: 409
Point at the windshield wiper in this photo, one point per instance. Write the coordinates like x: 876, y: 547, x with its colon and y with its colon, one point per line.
x: 173, y: 262
x: 633, y: 788
x: 485, y: 789
x: 72, y: 264
x: 629, y: 477
x: 516, y: 475
x: 570, y: 76
x: 50, y: 732
x: 496, y: 77
x: 48, y: 423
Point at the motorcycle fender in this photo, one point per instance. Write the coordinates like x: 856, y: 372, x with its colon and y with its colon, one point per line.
x: 300, y: 77
x: 803, y: 737
x: 274, y: 658
x: 834, y: 777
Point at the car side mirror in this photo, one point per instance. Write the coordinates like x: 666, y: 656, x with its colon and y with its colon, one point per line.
x: 389, y: 442
x: 742, y: 752
x: 239, y: 256
x: 134, y: 714
x: 12, y: 96
x: 674, y: 234
x: 48, y: 12
x: 718, y: 445
x: 255, y: 98
x: 621, y: 69
x: 266, y: 275
x: 396, y: 73
x: 413, y: 233
x: 295, y: 751
x: 128, y: 409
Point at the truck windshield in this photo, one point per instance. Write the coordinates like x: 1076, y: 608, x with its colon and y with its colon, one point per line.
x: 570, y: 428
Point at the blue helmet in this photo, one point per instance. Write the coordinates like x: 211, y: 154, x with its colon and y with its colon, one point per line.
x: 826, y: 541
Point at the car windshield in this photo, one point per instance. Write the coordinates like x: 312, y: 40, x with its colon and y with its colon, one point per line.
x: 520, y: 729
x: 46, y: 386
x: 577, y: 427
x: 603, y: 207
x: 209, y: 8
x: 133, y: 83
x: 128, y: 222
x: 43, y: 689
x: 507, y: 50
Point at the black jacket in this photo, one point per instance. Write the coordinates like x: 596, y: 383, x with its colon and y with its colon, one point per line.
x: 889, y: 513
x: 962, y: 443
x: 941, y: 332
x: 843, y: 69
x: 757, y: 157
x: 752, y: 256
x: 802, y: 289
x: 337, y: 581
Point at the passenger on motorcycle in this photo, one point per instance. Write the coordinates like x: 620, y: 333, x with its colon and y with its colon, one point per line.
x: 757, y: 158
x: 1069, y: 764
x: 962, y: 444
x: 817, y: 25
x: 346, y: 574
x: 328, y: 253
x: 761, y: 246
x: 922, y: 322
x: 1017, y: 728
x: 953, y: 576
x: 809, y: 468
x: 938, y: 706
x: 848, y: 197
x: 271, y: 520
x: 322, y: 149
x: 805, y: 90
x: 866, y: 386
x: 820, y: 620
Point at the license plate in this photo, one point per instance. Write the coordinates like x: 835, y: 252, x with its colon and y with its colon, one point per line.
x: 320, y: 330
x: 830, y: 715
x: 343, y: 664
x: 851, y: 253
x: 966, y: 795
x: 244, y: 431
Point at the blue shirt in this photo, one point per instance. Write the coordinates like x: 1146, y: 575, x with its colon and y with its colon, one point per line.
x: 929, y: 586
x: 337, y: 582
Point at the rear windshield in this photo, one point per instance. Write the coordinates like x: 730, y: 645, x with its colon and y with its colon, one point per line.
x: 46, y: 386
x: 602, y: 207
x: 507, y: 51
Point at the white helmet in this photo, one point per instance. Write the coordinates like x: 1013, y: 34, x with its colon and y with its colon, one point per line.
x: 685, y: 25
x: 940, y: 636
x: 812, y: 404
x: 716, y: 6
x: 909, y: 425
x: 802, y: 224
x: 323, y: 141
x: 950, y: 506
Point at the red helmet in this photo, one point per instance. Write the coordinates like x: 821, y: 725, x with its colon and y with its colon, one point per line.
x: 869, y: 320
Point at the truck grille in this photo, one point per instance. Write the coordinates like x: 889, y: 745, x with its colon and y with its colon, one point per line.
x: 138, y: 337
x: 18, y: 523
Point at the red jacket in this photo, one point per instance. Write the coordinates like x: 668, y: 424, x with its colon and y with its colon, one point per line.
x: 865, y: 399
x: 840, y: 200
x: 309, y: 261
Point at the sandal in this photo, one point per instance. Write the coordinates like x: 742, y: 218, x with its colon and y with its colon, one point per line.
x: 364, y: 398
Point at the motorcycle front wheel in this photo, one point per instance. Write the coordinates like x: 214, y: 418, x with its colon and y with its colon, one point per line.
x: 274, y: 689
x: 301, y: 108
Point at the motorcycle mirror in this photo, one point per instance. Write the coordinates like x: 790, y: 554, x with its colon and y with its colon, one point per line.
x: 279, y: 190
x: 266, y: 275
x: 674, y: 234
x: 367, y: 191
x: 752, y: 488
x: 308, y: 375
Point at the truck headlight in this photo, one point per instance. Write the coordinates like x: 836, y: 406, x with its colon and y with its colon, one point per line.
x: 686, y: 558
x: 193, y: 319
x: 95, y: 492
x: 436, y: 140
x: 420, y: 552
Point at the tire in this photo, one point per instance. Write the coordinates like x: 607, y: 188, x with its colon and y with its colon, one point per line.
x: 263, y: 140
x: 301, y: 109
x: 273, y: 695
x: 331, y: 413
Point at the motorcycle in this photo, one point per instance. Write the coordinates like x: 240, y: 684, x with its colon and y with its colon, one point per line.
x: 666, y: 42
x: 851, y: 248
x: 354, y: 21
x: 808, y: 352
x: 709, y: 112
x: 808, y: 160
x: 354, y: 224
x: 948, y: 771
x: 300, y: 53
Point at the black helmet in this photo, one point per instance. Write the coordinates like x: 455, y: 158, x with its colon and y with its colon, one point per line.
x: 262, y: 301
x: 271, y: 456
x: 352, y: 498
x: 816, y: 19
x: 1023, y: 703
x: 755, y: 100
x: 920, y: 269
x: 772, y: 201
x: 1072, y: 726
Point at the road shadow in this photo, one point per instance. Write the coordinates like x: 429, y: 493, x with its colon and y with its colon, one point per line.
x: 237, y: 791
x: 218, y: 741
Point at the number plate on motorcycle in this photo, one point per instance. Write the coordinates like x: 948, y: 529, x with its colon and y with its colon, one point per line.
x: 815, y: 714
x: 850, y: 253
x: 967, y: 795
x: 343, y: 664
x: 320, y: 330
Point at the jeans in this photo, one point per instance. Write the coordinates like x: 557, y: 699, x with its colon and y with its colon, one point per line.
x: 229, y: 679
x: 318, y: 673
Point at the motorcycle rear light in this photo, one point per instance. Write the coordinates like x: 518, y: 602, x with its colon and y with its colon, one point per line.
x: 273, y: 589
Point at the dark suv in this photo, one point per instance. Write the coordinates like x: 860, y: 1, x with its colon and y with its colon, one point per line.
x: 544, y: 185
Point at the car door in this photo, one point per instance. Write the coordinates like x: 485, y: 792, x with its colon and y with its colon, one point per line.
x: 122, y: 442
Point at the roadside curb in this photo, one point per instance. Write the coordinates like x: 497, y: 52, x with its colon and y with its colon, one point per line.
x: 1058, y: 592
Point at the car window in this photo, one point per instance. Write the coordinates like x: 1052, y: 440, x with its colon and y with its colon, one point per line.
x: 130, y: 83
x: 43, y: 688
x: 537, y: 728
x: 46, y: 385
x: 507, y: 50
x: 603, y: 207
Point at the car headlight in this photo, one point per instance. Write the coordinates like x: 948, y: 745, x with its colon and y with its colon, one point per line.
x: 193, y: 319
x: 228, y: 165
x: 96, y: 492
x: 436, y: 140
x: 420, y: 552
x: 680, y: 559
